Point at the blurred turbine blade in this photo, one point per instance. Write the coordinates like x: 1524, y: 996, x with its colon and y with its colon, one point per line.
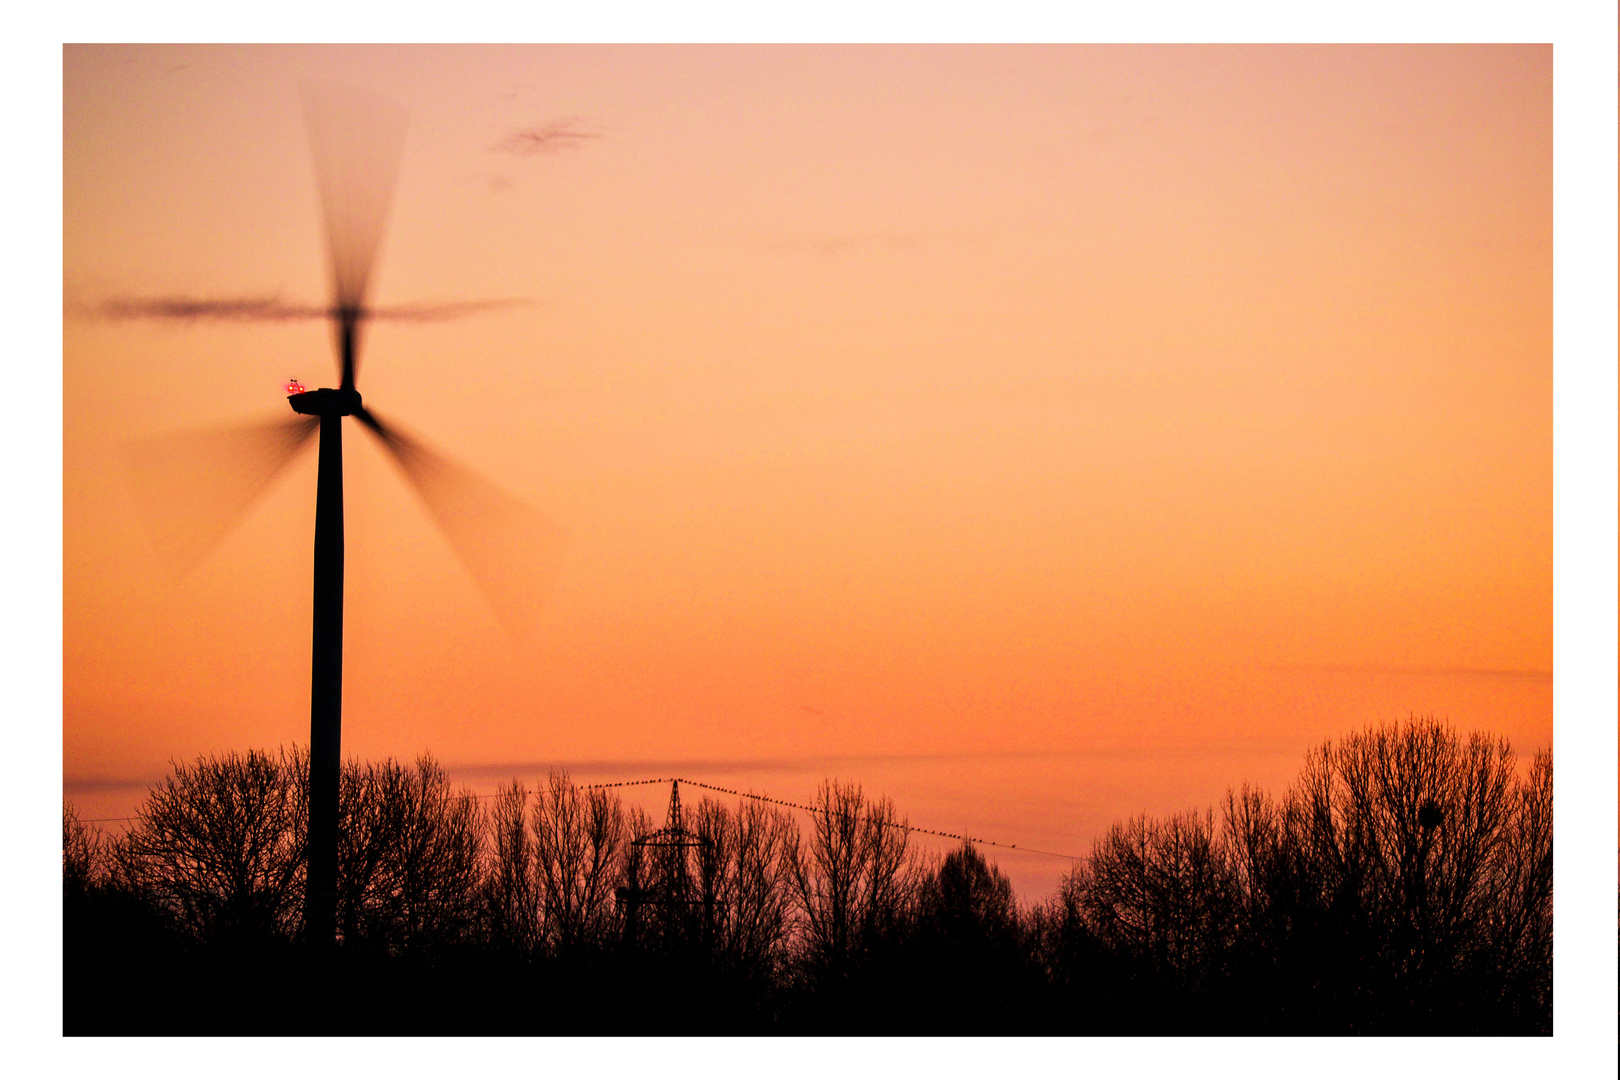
x: 443, y: 311
x: 357, y: 139
x: 192, y: 486
x: 189, y: 309
x: 512, y: 552
x: 195, y: 309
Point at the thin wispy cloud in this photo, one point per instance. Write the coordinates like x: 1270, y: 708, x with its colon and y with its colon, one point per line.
x: 699, y: 767
x: 549, y: 138
x: 94, y: 785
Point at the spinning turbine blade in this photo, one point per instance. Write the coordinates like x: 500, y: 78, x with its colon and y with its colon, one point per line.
x: 191, y: 487
x: 513, y: 553
x: 192, y: 309
x: 357, y: 139
x: 271, y: 309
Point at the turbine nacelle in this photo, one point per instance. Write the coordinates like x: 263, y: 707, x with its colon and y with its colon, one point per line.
x: 326, y: 402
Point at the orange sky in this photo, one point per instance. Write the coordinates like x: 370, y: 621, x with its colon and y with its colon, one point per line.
x: 1037, y: 434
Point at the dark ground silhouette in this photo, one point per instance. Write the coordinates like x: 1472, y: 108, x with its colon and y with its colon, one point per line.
x: 1403, y: 885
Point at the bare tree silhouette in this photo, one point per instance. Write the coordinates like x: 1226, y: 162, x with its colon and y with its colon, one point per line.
x: 511, y: 901
x: 415, y: 858
x: 219, y: 843
x: 968, y: 899
x: 856, y: 881
x: 1426, y: 854
x: 1519, y: 927
x: 1160, y: 892
x: 746, y: 880
x: 1402, y: 884
x: 83, y: 854
x: 967, y: 963
x: 579, y: 841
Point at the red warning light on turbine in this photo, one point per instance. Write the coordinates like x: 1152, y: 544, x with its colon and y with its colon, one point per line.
x: 294, y: 387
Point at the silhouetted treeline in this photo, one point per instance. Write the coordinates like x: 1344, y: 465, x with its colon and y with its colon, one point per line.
x: 1402, y: 885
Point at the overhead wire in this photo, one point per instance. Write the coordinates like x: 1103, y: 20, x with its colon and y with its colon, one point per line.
x: 904, y: 826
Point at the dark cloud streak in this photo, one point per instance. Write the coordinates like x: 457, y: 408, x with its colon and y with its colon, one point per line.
x: 546, y: 138
x: 621, y: 769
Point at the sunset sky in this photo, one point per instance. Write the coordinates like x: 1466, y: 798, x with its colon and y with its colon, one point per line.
x: 1036, y: 435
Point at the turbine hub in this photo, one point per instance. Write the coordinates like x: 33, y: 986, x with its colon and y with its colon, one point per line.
x: 326, y: 402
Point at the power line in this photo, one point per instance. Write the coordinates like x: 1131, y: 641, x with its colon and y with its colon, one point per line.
x: 817, y: 810
x: 907, y: 827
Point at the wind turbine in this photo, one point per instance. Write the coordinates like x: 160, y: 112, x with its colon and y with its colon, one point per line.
x: 357, y: 140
